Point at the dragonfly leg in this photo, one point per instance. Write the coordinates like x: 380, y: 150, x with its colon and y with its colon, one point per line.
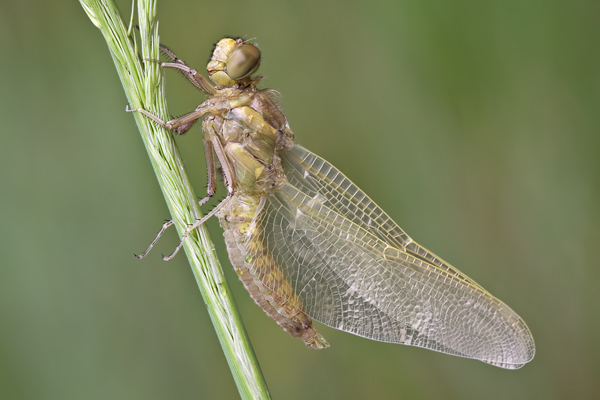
x: 162, y: 230
x: 212, y: 188
x: 225, y: 166
x: 198, y: 224
x: 179, y: 125
x: 217, y: 146
x: 212, y: 172
x: 190, y: 73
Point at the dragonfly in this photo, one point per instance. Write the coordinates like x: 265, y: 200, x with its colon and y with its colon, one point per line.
x: 308, y: 244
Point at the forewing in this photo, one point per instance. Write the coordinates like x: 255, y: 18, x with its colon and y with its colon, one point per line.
x: 357, y: 271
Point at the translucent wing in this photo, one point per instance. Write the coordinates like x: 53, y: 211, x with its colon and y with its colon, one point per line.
x: 357, y: 271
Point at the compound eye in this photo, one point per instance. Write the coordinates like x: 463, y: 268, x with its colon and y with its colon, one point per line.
x: 243, y: 61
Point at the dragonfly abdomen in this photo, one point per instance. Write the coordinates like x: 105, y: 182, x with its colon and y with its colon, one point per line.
x: 259, y: 272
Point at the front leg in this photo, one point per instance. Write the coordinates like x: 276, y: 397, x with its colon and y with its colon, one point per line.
x: 191, y: 74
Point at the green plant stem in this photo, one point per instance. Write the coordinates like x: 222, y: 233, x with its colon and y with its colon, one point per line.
x: 143, y: 85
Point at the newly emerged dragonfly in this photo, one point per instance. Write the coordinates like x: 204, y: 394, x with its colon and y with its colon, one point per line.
x: 309, y: 244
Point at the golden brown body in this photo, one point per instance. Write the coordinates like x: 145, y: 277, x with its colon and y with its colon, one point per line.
x: 253, y: 135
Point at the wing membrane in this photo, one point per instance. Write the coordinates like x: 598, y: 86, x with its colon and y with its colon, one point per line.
x: 358, y: 271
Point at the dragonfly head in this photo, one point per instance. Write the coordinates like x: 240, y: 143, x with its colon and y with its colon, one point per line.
x: 233, y: 61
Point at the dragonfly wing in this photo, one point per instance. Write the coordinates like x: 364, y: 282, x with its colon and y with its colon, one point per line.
x: 357, y: 271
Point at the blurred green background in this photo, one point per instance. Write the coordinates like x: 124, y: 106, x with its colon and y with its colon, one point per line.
x: 474, y: 123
